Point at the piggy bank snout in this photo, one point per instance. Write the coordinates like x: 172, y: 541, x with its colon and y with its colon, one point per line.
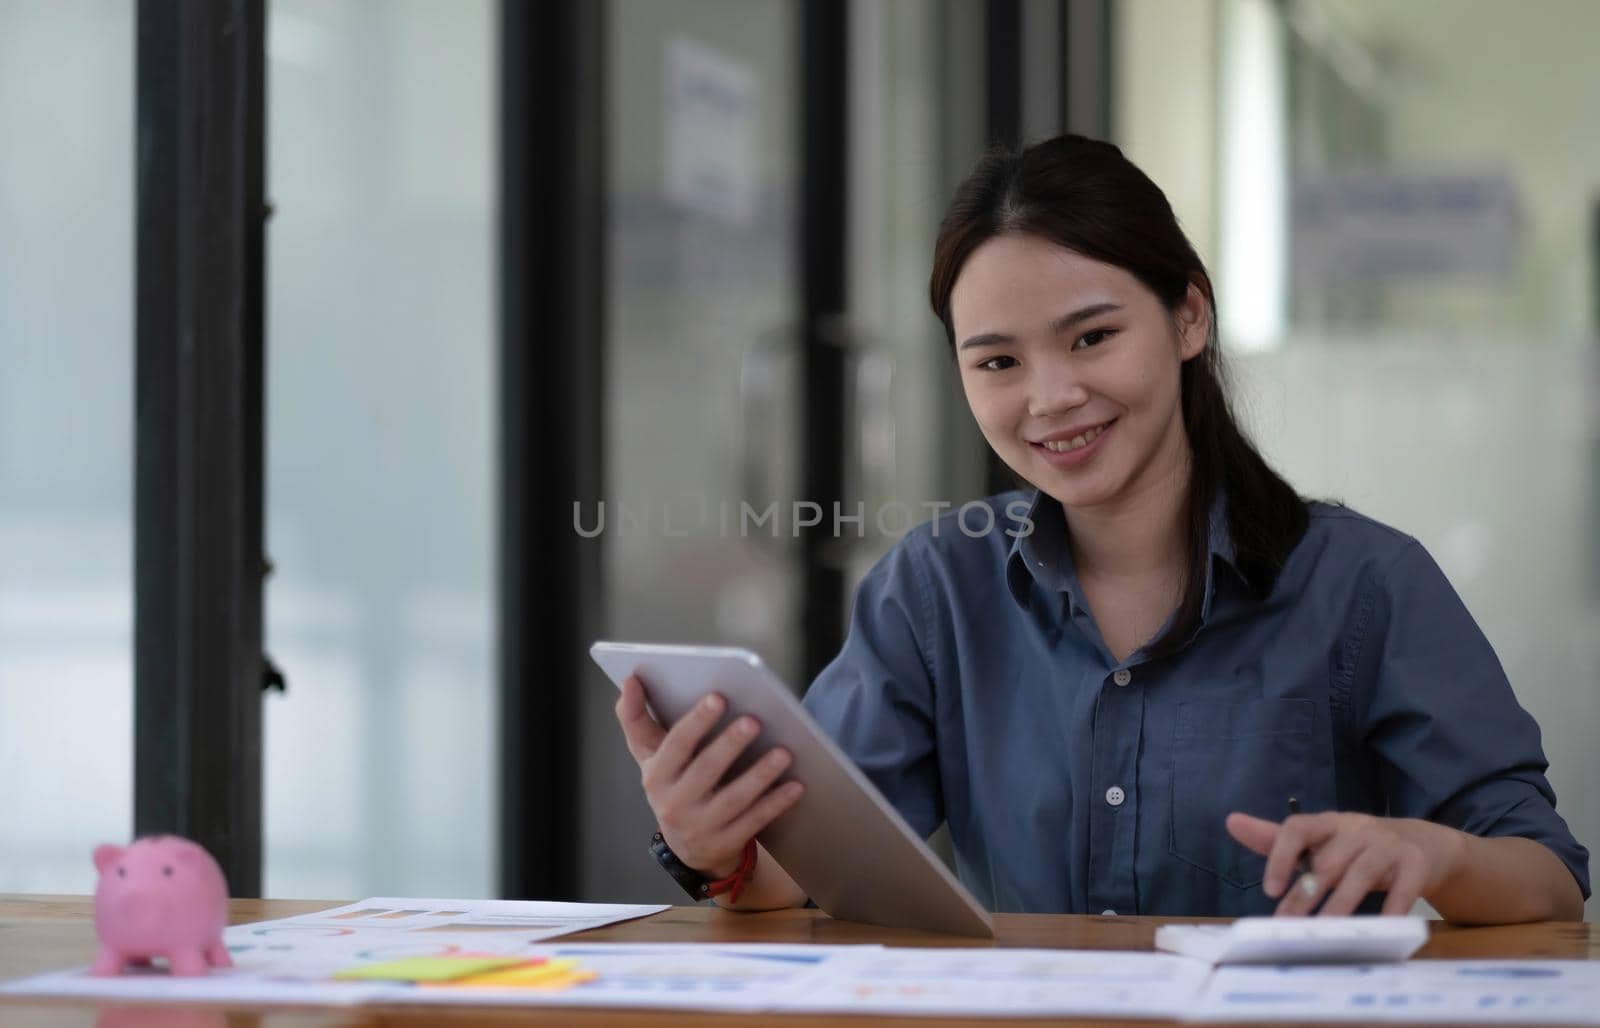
x: 137, y: 911
x: 156, y: 900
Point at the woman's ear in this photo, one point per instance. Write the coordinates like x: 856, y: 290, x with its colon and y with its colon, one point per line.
x: 1193, y: 317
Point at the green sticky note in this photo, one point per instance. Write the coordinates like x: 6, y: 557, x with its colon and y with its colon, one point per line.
x: 427, y: 969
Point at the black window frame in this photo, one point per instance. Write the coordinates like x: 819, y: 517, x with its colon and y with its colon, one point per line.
x: 199, y: 560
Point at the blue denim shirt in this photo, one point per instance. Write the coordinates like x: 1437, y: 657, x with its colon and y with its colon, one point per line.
x: 974, y: 688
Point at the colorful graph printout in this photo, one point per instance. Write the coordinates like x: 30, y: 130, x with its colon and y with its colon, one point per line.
x: 732, y: 978
x: 1509, y: 991
x: 1010, y: 983
x: 293, y: 961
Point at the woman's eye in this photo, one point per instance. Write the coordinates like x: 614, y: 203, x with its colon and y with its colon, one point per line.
x: 997, y: 364
x: 1094, y: 338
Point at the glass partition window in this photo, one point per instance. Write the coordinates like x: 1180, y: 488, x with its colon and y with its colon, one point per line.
x: 916, y: 129
x: 702, y: 366
x: 380, y: 760
x: 66, y: 438
x: 1436, y: 252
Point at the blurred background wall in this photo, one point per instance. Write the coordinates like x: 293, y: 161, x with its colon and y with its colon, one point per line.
x: 380, y: 420
x: 1437, y: 372
x: 1400, y: 204
x: 66, y: 452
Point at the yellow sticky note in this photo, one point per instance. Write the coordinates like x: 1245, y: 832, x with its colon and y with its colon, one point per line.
x: 427, y: 969
x: 575, y: 978
x: 555, y: 973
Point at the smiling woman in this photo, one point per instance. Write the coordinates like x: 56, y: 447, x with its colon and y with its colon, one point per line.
x: 1075, y: 237
x: 1115, y: 699
x: 1085, y: 405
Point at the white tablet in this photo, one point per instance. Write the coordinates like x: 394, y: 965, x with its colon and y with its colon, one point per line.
x: 843, y: 843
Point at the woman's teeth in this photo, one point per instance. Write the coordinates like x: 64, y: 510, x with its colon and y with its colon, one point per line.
x: 1063, y: 445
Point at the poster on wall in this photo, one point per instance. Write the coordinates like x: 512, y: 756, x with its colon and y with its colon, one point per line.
x: 710, y: 131
x: 1369, y: 224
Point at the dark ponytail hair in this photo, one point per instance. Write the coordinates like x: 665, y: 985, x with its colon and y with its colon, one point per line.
x: 1085, y: 196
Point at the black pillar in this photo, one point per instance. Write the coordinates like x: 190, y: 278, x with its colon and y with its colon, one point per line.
x: 824, y: 174
x: 1002, y: 62
x: 198, y: 493
x: 552, y: 346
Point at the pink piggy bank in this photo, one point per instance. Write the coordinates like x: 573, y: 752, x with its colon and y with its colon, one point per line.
x: 162, y: 896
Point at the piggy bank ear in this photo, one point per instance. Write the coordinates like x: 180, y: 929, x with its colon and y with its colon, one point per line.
x: 105, y: 856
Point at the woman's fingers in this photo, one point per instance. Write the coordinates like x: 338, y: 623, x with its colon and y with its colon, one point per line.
x: 705, y: 829
x: 1364, y: 854
x: 763, y: 812
x: 678, y: 746
x: 1328, y: 866
x: 735, y: 798
x: 1254, y: 833
x: 641, y: 731
x: 699, y: 779
x: 1365, y: 873
x: 1407, y: 883
x: 1297, y: 833
x: 706, y: 826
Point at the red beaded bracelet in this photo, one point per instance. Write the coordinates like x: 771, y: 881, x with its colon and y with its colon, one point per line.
x: 735, y: 883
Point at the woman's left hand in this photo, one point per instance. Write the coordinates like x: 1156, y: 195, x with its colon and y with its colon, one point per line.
x: 1351, y: 856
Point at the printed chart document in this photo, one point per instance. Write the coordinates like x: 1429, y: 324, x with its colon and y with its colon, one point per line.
x: 1505, y: 991
x: 1006, y: 983
x: 1297, y: 940
x: 739, y: 977
x: 395, y: 951
x: 293, y: 960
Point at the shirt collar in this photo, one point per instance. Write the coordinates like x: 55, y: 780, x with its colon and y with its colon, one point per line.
x: 1040, y: 555
x: 1043, y: 556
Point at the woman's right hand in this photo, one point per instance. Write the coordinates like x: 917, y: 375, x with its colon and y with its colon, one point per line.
x: 705, y: 824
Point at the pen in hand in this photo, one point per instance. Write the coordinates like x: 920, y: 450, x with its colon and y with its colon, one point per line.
x: 1307, y: 882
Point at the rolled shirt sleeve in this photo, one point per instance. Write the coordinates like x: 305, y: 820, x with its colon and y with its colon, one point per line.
x: 876, y: 699
x: 1455, y: 746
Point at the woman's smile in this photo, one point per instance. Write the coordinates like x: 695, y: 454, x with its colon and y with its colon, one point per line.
x: 1073, y: 446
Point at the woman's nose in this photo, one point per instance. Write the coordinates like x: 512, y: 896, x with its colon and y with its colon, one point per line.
x: 1055, y: 387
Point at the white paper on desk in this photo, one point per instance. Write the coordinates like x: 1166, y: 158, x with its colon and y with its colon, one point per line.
x: 734, y: 977
x: 315, y: 946
x: 290, y: 960
x: 1505, y: 991
x: 1004, y: 983
x: 222, y: 985
x: 529, y: 920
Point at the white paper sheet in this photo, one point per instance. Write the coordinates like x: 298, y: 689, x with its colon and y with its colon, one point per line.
x: 731, y: 978
x: 1005, y: 983
x: 314, y: 946
x: 291, y: 960
x: 1506, y: 991
x: 235, y: 985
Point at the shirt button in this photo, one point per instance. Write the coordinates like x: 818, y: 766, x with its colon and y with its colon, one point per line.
x: 1123, y: 676
x: 1115, y: 795
x: 1108, y: 913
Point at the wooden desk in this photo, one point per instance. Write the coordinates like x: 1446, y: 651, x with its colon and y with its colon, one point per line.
x: 44, y: 933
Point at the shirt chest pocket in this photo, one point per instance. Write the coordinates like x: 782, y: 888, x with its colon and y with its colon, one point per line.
x: 1250, y: 757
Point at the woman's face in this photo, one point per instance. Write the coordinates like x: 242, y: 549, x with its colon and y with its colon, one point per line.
x: 1071, y: 368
